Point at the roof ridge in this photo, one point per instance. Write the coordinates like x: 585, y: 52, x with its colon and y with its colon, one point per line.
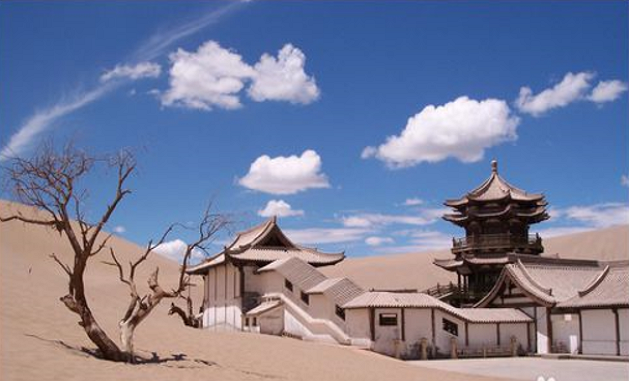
x: 529, y: 277
x: 594, y: 282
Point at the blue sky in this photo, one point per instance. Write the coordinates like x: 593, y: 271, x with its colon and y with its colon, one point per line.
x: 288, y: 107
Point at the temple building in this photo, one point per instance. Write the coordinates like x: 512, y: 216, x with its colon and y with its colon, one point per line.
x: 509, y: 300
x: 496, y: 217
x: 231, y: 287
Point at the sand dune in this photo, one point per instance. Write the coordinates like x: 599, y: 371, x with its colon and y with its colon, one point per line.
x: 416, y: 271
x: 40, y: 339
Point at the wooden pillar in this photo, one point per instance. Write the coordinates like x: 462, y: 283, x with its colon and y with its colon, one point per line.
x: 498, y: 334
x: 617, y: 323
x: 434, y: 332
x: 215, y: 269
x: 528, y: 337
x: 241, y: 272
x: 549, y: 330
x: 372, y: 323
x: 403, y: 325
x: 580, y: 351
x: 535, y: 327
x: 467, y: 334
x: 226, y: 276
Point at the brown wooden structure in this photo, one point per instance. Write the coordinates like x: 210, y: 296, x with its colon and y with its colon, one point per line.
x: 496, y: 217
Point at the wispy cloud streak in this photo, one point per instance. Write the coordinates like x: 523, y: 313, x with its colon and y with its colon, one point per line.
x: 154, y: 47
x: 160, y: 41
x: 41, y: 120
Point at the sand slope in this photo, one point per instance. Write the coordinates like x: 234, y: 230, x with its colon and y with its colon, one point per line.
x: 416, y: 271
x: 40, y: 338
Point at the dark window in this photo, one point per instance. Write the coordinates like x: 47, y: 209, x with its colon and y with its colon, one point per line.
x: 451, y: 327
x: 288, y: 284
x: 247, y: 322
x: 255, y: 321
x: 305, y: 298
x: 340, y: 312
x: 388, y: 319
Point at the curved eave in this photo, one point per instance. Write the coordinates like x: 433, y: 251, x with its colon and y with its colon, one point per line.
x: 448, y: 264
x: 500, y: 283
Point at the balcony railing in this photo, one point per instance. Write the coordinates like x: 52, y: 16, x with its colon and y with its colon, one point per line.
x: 532, y: 242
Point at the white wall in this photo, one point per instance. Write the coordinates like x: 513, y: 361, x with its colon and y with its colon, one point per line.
x: 566, y: 332
x: 223, y: 299
x: 599, y: 332
x: 542, y: 331
x: 386, y: 336
x: 443, y: 338
x: 271, y: 322
x: 482, y: 335
x: 418, y: 326
x: 358, y: 325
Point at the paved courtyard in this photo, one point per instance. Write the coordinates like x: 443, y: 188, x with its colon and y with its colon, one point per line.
x: 531, y: 369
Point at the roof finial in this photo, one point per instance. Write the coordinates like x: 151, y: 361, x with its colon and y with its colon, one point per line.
x: 494, y: 166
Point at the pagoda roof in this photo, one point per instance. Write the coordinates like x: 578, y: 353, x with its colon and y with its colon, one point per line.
x: 538, y: 213
x: 263, y: 244
x: 496, y: 188
x: 511, y: 258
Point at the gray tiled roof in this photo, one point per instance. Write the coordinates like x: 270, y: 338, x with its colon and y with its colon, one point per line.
x: 252, y: 246
x: 418, y: 300
x: 549, y: 283
x: 341, y: 290
x: 609, y: 289
x: 296, y: 271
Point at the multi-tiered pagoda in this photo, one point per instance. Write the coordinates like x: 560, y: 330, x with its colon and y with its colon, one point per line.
x: 496, y: 217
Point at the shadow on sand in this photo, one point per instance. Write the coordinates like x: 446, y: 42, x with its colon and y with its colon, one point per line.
x: 181, y: 360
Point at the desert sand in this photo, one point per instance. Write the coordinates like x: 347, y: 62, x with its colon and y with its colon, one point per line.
x: 416, y: 271
x: 40, y: 338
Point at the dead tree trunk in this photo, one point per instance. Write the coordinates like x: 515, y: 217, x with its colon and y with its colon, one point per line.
x: 140, y: 307
x: 49, y: 182
x: 188, y: 318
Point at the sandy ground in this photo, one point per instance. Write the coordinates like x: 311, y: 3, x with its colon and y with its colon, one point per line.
x: 40, y: 339
x: 531, y: 368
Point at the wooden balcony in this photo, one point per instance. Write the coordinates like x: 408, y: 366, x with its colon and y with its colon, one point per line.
x: 498, y: 243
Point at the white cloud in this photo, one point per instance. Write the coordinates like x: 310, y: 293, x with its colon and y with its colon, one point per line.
x: 624, y: 180
x: 598, y: 215
x: 315, y: 236
x: 119, y: 229
x: 283, y: 78
x: 413, y: 201
x: 364, y: 220
x: 377, y: 241
x: 41, y: 120
x: 279, y: 208
x: 210, y: 77
x: 463, y: 129
x: 141, y: 70
x: 607, y: 91
x: 570, y: 89
x: 176, y: 249
x: 285, y: 175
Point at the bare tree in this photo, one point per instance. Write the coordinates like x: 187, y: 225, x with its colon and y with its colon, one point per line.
x: 140, y: 307
x: 51, y: 182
